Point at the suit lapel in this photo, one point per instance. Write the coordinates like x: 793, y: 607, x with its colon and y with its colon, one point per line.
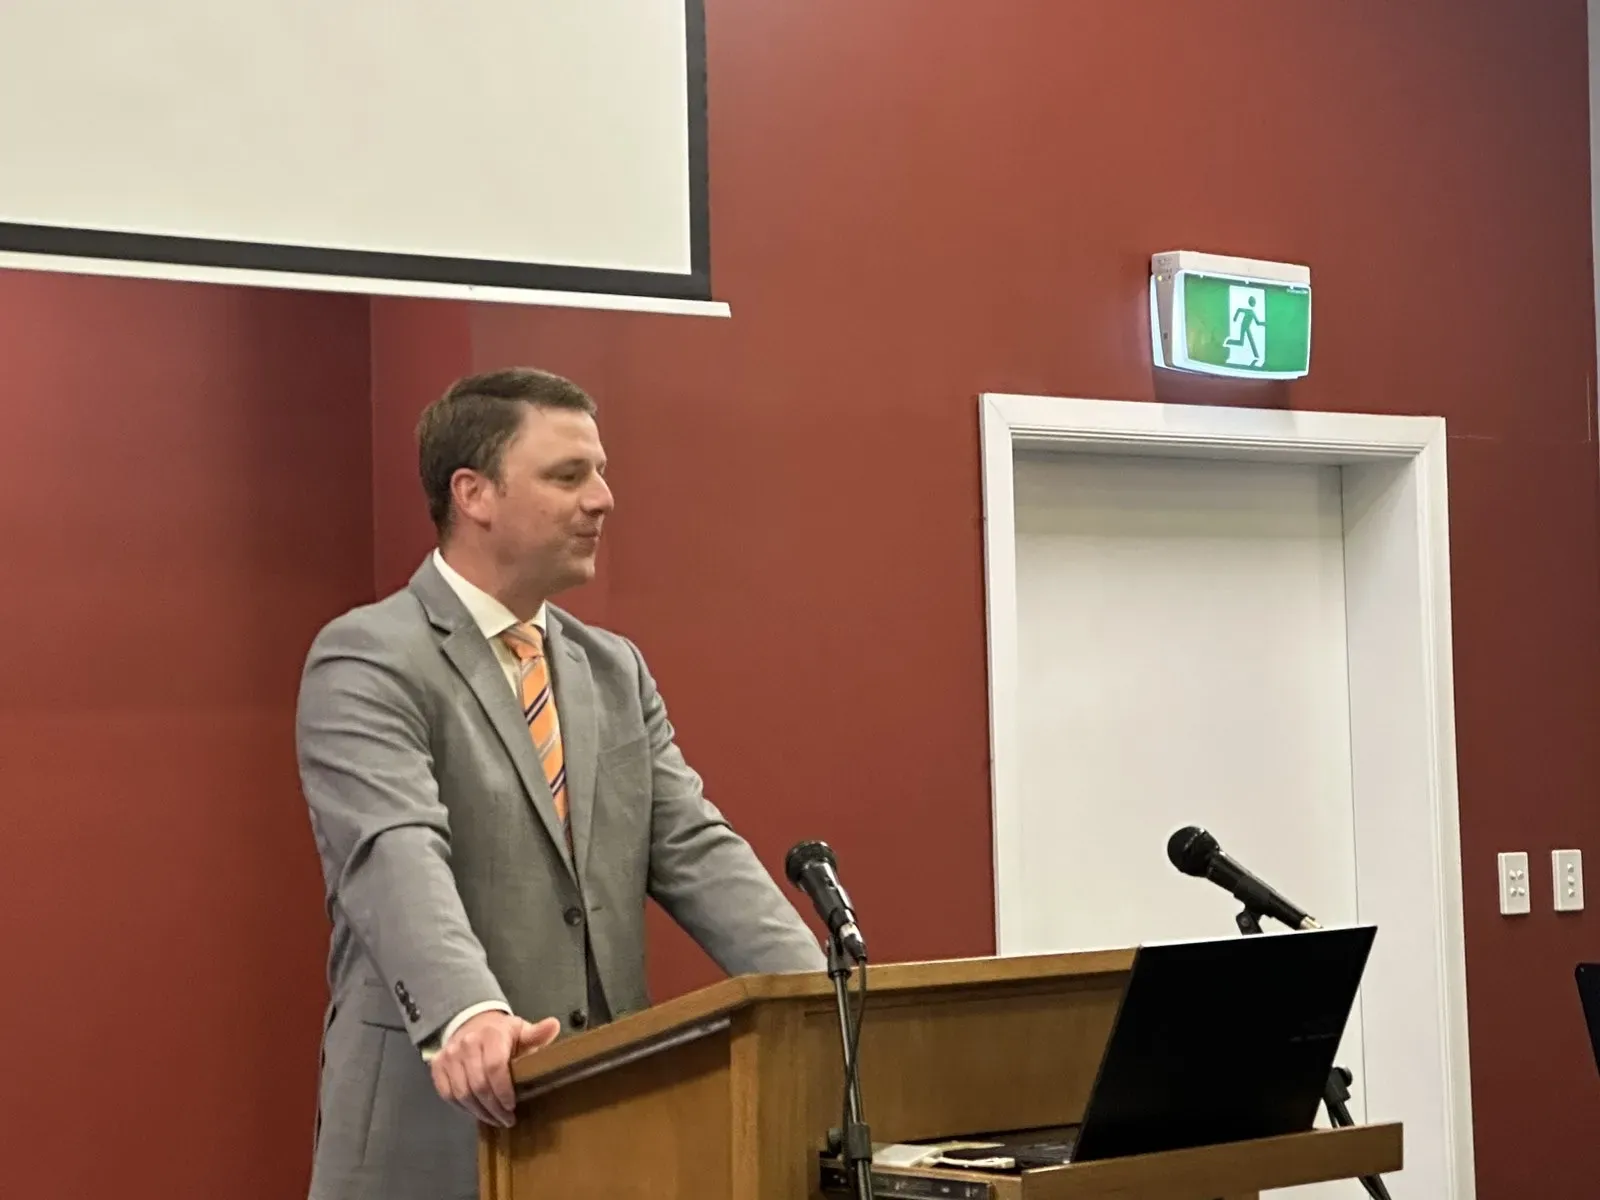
x: 580, y: 733
x: 468, y: 651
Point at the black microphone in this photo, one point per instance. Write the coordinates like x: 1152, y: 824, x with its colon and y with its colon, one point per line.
x: 1195, y: 852
x: 813, y: 869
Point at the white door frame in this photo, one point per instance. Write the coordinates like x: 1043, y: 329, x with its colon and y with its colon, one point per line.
x: 1402, y: 716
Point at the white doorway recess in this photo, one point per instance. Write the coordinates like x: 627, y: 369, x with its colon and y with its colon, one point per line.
x: 1361, y: 502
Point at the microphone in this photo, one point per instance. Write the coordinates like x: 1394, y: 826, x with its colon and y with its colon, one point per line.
x: 813, y: 869
x: 1195, y: 852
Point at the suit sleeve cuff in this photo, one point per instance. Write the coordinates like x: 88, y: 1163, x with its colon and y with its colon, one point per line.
x: 431, y: 1050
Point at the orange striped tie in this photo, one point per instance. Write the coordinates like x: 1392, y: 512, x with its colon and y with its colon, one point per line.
x: 526, y: 641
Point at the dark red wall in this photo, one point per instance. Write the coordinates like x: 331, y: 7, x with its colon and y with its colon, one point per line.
x: 418, y: 348
x: 184, y: 499
x: 916, y: 201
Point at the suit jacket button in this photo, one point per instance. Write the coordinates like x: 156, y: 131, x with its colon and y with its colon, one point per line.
x: 574, y: 916
x: 578, y: 1018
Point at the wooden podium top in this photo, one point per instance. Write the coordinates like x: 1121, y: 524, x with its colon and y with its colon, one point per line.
x: 1230, y: 1172
x: 728, y: 1092
x: 687, y: 1014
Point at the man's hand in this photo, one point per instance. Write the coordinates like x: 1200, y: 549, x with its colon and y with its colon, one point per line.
x: 473, y: 1069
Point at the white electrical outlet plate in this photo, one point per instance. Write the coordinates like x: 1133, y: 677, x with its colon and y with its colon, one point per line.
x: 1566, y: 868
x: 1514, y: 898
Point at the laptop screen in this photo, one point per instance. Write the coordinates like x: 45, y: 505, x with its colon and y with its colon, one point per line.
x: 1223, y: 1041
x: 1589, y: 993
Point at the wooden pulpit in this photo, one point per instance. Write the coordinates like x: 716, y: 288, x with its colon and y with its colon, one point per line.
x: 728, y: 1093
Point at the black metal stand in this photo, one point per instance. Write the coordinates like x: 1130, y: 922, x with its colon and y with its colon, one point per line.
x: 1334, y: 1096
x: 1337, y: 1090
x: 855, y: 1139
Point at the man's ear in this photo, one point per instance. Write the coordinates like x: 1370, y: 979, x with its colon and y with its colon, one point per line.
x: 473, y: 494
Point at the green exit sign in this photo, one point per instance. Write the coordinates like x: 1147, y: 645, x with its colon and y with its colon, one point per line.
x: 1239, y: 317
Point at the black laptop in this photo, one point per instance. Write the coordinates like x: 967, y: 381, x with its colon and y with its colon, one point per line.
x: 1588, y: 975
x: 1214, y: 1041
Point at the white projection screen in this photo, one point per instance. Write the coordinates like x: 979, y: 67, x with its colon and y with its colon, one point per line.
x: 541, y: 144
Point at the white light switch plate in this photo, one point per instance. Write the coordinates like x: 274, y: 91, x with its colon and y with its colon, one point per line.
x: 1514, y: 898
x: 1566, y: 866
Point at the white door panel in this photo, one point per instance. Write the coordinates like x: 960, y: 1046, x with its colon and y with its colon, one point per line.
x: 1183, y: 660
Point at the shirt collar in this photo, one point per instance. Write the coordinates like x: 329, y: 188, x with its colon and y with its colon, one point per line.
x: 491, y: 617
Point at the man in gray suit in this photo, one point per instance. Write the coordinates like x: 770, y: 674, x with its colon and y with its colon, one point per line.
x: 494, y: 790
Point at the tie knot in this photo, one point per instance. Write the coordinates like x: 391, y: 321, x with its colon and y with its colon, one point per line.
x: 526, y: 641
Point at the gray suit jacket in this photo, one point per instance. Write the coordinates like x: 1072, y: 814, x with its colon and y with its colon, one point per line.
x: 449, y: 880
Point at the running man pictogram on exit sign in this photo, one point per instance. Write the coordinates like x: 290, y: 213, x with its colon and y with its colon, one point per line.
x: 1238, y: 317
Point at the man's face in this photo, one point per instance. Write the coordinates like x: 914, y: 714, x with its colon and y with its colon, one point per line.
x: 543, y: 519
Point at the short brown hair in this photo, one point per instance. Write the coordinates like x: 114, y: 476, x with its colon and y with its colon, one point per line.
x: 472, y: 423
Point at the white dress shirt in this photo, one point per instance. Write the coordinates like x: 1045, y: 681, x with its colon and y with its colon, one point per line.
x: 493, y: 618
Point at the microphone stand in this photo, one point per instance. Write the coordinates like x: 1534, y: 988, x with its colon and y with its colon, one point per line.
x: 855, y: 1139
x: 1337, y: 1090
